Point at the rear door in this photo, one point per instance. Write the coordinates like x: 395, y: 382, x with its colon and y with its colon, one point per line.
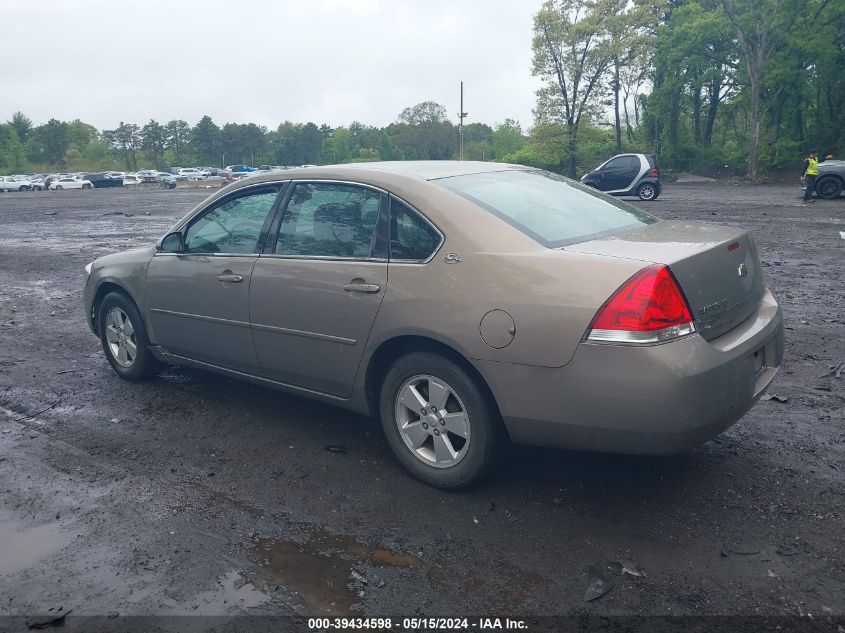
x: 198, y: 300
x: 316, y: 291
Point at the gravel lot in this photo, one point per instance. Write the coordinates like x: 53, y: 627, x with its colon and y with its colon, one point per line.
x: 197, y: 494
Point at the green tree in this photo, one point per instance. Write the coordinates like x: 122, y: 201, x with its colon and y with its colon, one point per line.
x: 571, y: 57
x: 177, y: 134
x: 22, y: 125
x: 507, y: 139
x: 760, y: 27
x: 153, y: 142
x: 205, y: 141
x: 12, y: 154
x: 124, y: 141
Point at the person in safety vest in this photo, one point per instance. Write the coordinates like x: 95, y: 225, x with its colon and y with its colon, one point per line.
x: 810, y: 171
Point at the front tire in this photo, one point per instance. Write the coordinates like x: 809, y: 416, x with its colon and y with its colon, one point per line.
x: 828, y: 187
x: 440, y: 422
x: 648, y: 191
x: 59, y: 187
x: 124, y: 338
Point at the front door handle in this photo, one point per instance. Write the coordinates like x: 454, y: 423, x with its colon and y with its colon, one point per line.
x: 230, y: 278
x: 359, y: 285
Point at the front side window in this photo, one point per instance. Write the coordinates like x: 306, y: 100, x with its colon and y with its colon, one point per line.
x: 550, y: 209
x: 411, y: 237
x: 329, y: 220
x: 620, y: 162
x: 233, y: 226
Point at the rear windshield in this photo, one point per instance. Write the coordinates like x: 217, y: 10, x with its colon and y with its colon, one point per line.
x: 553, y: 210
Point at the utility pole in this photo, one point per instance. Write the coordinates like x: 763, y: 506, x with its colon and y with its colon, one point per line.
x: 461, y: 116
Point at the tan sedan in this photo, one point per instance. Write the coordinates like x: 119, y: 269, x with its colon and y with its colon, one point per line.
x: 467, y: 305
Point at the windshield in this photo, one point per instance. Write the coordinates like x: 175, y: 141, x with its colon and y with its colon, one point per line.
x: 553, y: 210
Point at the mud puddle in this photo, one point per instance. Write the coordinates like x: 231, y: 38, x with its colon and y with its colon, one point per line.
x: 231, y: 591
x: 321, y: 573
x: 22, y: 548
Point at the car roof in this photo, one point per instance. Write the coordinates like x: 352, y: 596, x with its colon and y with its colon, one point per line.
x: 419, y: 169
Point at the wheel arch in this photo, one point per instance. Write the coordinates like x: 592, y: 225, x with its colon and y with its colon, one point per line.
x: 105, y: 287
x: 388, y: 351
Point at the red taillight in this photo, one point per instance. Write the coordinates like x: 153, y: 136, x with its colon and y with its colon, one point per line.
x: 648, y: 308
x: 655, y: 172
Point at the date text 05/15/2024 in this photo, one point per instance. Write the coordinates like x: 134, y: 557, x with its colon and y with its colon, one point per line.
x: 416, y: 624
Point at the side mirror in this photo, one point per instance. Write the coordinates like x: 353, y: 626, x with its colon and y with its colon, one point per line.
x: 172, y: 243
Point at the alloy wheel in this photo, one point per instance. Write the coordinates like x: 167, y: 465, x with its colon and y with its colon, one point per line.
x: 432, y: 420
x: 646, y: 192
x: 120, y: 336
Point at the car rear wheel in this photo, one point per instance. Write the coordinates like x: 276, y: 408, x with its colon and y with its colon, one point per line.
x: 440, y: 423
x: 829, y: 187
x: 86, y: 186
x: 647, y: 191
x: 124, y: 338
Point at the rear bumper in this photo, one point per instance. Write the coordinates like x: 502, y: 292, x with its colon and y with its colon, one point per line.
x: 657, y: 399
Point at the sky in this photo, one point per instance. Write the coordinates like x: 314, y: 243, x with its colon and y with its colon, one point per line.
x: 264, y: 61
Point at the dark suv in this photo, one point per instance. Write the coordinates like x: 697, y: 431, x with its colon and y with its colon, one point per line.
x: 627, y: 175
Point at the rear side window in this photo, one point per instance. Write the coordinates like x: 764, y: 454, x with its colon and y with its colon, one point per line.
x: 550, y: 209
x: 329, y: 220
x: 411, y: 237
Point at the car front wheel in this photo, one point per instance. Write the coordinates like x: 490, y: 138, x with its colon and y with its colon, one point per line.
x: 124, y: 338
x: 440, y: 422
x: 647, y: 191
x: 829, y: 187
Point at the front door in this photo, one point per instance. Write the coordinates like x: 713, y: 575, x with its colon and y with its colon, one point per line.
x: 198, y: 300
x: 315, y: 294
x: 620, y: 173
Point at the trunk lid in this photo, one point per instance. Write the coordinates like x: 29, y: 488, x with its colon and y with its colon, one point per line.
x: 717, y: 267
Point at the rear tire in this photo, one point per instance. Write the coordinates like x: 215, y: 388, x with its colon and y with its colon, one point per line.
x: 124, y: 338
x: 86, y: 186
x: 648, y: 191
x: 828, y: 187
x: 460, y: 439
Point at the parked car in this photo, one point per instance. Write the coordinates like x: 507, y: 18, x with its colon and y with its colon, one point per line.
x: 239, y: 168
x: 168, y: 181
x: 831, y: 179
x: 148, y: 175
x: 101, y: 180
x: 131, y: 180
x: 627, y: 175
x: 70, y: 182
x: 465, y: 304
x: 12, y: 183
x: 192, y: 173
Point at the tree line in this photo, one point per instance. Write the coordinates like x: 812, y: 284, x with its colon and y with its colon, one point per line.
x: 704, y: 84
x: 743, y: 86
x: 421, y: 132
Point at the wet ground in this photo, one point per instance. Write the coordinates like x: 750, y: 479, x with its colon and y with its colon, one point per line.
x: 197, y: 494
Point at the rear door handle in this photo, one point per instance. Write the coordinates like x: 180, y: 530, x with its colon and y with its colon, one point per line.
x: 230, y: 278
x: 360, y: 286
